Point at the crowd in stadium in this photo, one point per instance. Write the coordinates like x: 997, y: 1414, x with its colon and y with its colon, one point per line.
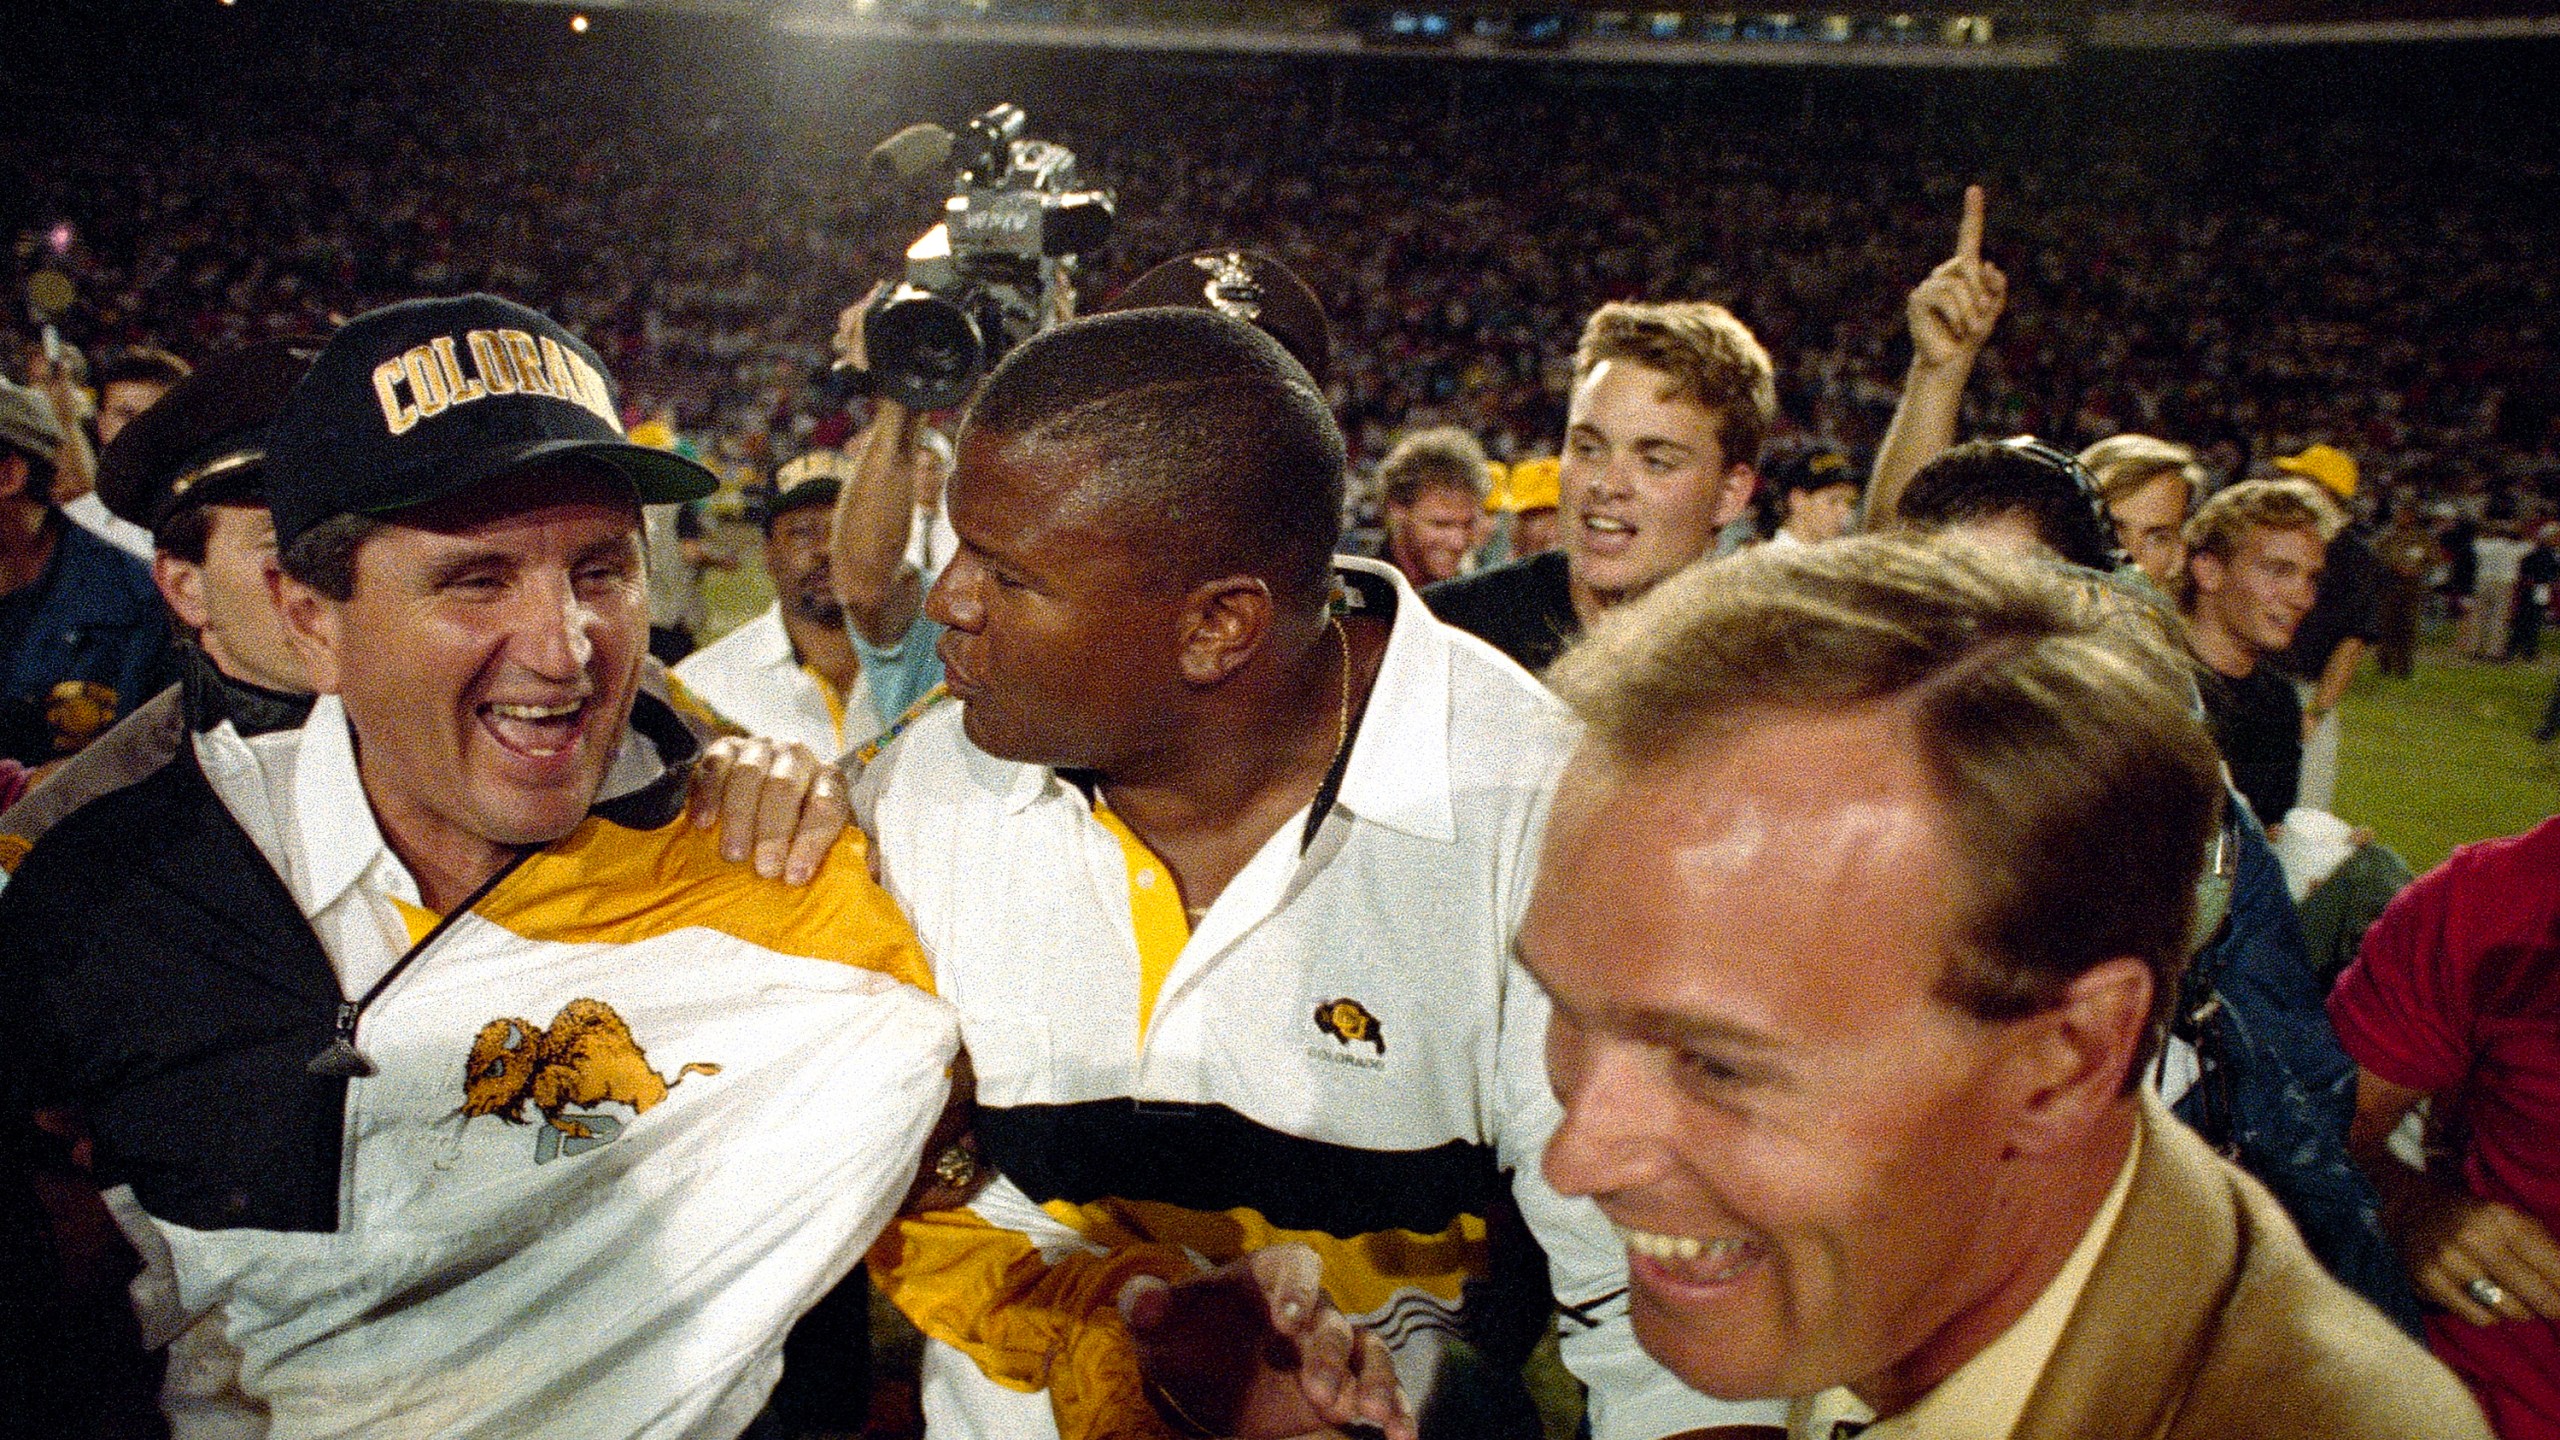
x: 1610, y: 716
x: 2321, y: 277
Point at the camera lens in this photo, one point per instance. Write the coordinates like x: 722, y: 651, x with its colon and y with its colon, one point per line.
x: 1076, y: 225
x: 925, y: 351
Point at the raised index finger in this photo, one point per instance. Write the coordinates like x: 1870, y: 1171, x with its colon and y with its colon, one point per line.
x: 1969, y: 229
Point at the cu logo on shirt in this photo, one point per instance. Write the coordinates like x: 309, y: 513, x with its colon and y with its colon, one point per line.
x: 1350, y: 1023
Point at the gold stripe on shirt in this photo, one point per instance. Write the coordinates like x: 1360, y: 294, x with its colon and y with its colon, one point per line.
x: 1362, y: 1273
x: 1155, y: 908
x: 835, y: 704
x: 610, y: 884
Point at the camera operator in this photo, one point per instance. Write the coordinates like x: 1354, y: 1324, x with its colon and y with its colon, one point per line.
x: 996, y: 270
x: 881, y: 588
x: 879, y: 575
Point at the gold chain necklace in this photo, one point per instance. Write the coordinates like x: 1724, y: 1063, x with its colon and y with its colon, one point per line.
x: 1342, y: 720
x: 1341, y: 731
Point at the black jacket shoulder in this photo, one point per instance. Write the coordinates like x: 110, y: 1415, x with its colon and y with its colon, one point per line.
x: 1523, y: 609
x: 159, y: 979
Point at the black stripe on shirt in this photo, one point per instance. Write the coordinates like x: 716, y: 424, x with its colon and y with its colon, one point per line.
x: 1210, y: 1158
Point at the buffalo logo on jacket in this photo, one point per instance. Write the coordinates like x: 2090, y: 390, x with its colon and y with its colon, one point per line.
x: 586, y: 1058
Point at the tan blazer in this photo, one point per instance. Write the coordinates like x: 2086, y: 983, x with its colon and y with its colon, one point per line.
x: 2207, y: 1318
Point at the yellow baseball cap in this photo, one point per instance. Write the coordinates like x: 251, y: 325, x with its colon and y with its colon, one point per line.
x: 2328, y: 465
x: 1527, y: 485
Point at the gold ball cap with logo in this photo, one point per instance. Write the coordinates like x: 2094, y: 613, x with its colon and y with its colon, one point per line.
x: 429, y: 398
x: 2326, y: 465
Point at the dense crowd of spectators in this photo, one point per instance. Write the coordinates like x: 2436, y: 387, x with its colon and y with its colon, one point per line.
x: 2247, y: 282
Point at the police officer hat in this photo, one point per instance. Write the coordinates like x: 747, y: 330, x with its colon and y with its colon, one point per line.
x: 204, y: 442
x: 1247, y: 285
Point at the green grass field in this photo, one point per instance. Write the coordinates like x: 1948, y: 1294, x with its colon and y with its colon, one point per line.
x: 732, y: 597
x: 2446, y: 756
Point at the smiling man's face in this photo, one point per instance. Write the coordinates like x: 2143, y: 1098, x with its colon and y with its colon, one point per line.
x: 1646, y: 483
x: 1429, y: 538
x: 2260, y: 594
x: 1801, y: 1142
x: 487, y: 660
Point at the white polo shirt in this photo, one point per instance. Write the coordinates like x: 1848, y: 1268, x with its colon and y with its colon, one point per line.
x: 754, y: 679
x: 298, y: 795
x: 1343, y: 1046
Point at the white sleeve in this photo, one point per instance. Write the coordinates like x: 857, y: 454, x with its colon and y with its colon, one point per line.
x: 1632, y: 1398
x: 1003, y: 1205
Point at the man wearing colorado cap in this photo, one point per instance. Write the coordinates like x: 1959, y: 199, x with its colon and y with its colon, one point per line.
x: 464, y: 1080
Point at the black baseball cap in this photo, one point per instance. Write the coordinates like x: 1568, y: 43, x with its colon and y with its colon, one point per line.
x: 205, y: 442
x: 428, y: 398
x: 1817, y: 468
x: 804, y: 495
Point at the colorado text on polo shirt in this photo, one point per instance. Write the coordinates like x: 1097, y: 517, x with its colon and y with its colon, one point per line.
x: 429, y: 379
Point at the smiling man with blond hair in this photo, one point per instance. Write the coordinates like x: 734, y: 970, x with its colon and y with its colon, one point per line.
x: 1671, y: 404
x: 2255, y: 554
x: 1850, y: 1053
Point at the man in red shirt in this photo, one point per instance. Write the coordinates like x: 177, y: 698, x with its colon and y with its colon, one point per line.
x: 2456, y: 995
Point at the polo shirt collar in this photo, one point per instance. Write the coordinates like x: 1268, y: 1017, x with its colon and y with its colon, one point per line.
x: 1399, y: 772
x: 1029, y: 783
x: 340, y: 839
x: 769, y: 644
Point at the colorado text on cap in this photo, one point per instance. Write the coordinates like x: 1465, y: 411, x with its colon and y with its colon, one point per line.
x: 503, y: 362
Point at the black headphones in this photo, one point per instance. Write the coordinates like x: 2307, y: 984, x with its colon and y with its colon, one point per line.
x: 2102, y: 536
